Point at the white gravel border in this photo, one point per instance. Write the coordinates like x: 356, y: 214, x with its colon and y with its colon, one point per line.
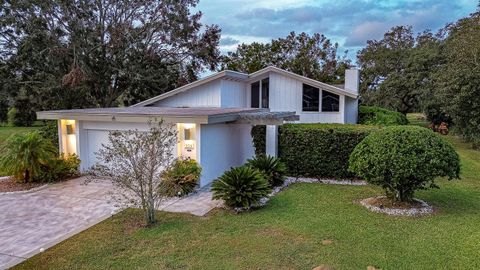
x: 425, y: 209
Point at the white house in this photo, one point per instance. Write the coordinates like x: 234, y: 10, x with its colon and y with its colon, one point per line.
x: 214, y: 115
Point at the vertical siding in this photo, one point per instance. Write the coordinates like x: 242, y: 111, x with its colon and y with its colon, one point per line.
x: 286, y: 95
x: 207, y: 95
x: 233, y: 94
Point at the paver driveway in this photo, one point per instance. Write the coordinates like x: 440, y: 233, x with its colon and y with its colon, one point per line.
x: 40, y: 219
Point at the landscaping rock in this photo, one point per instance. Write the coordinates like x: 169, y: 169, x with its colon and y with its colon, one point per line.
x: 421, y: 210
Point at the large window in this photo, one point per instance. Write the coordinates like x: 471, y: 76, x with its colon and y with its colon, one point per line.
x: 255, y: 95
x: 260, y: 93
x: 330, y: 102
x: 265, y: 93
x: 310, y: 98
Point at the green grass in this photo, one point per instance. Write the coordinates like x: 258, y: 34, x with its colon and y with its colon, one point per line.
x: 288, y: 233
x: 417, y: 119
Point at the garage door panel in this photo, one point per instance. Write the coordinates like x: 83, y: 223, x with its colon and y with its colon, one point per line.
x: 95, y: 139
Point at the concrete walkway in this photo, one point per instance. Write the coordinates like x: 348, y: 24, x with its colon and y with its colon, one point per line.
x: 31, y: 222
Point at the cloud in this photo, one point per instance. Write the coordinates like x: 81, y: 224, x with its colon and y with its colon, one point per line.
x: 225, y: 41
x: 349, y: 22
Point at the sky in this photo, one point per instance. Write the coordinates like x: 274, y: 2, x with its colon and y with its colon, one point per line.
x: 350, y: 23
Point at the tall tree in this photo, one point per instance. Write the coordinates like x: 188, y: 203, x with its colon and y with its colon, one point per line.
x: 104, y: 52
x: 396, y: 70
x: 458, y: 80
x: 312, y: 56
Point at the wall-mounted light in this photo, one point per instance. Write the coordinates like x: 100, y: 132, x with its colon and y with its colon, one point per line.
x: 70, y: 129
x: 187, y: 131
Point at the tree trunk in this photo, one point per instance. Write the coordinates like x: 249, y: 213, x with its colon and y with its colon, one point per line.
x: 27, y: 176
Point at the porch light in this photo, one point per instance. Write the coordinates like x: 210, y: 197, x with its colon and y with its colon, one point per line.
x: 187, y: 131
x: 70, y: 129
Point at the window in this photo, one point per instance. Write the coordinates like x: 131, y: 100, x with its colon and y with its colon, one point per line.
x: 255, y: 96
x: 310, y: 98
x: 330, y: 102
x: 265, y: 93
x: 260, y: 92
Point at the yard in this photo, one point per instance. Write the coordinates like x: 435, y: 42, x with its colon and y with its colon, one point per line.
x: 290, y: 232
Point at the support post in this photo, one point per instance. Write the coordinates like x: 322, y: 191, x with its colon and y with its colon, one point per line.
x: 271, y: 140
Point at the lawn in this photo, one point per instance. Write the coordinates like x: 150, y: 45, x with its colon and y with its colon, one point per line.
x: 288, y: 233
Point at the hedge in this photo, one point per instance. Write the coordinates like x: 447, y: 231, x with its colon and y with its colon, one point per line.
x: 259, y: 134
x: 320, y: 150
x: 371, y: 115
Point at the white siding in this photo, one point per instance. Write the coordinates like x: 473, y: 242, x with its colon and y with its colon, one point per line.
x: 223, y: 146
x: 286, y: 95
x: 351, y: 110
x: 207, y: 95
x: 233, y: 94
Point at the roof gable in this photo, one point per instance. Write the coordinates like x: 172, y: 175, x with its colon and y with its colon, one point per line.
x: 242, y: 77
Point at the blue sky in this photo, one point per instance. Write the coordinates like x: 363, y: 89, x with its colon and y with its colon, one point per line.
x: 349, y: 22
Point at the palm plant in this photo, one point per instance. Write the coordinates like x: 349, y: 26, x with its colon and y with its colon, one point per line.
x: 273, y: 168
x: 24, y: 154
x: 241, y: 187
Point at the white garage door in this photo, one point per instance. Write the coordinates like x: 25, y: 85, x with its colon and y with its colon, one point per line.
x: 95, y: 138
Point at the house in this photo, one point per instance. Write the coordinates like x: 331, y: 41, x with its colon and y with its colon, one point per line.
x: 214, y: 115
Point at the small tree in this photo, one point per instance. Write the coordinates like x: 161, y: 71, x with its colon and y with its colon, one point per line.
x: 24, y: 154
x: 402, y: 159
x: 134, y: 161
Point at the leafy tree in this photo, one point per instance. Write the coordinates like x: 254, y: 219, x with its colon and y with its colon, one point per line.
x: 312, y: 56
x: 397, y: 69
x: 134, y: 161
x: 458, y: 80
x: 104, y: 53
x: 23, y: 155
x: 403, y: 159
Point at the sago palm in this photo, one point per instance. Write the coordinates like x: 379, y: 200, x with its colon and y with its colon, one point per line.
x: 273, y: 169
x: 23, y: 154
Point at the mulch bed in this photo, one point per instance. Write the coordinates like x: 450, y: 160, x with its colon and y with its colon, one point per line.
x: 11, y: 185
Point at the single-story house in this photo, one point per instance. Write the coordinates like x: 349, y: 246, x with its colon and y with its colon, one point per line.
x: 214, y: 115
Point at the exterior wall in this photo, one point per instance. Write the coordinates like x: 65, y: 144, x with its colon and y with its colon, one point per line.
x: 351, y: 110
x: 223, y: 146
x: 286, y: 95
x: 233, y: 94
x: 207, y: 95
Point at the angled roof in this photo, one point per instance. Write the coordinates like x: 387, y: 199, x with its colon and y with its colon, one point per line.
x: 233, y: 75
x: 242, y: 77
x: 202, y: 115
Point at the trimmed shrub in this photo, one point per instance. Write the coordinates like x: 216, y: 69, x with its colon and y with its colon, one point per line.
x: 259, y: 134
x: 403, y: 159
x: 320, y: 150
x: 241, y: 187
x: 272, y: 168
x: 372, y: 115
x: 181, y: 178
x: 58, y: 169
x: 50, y: 132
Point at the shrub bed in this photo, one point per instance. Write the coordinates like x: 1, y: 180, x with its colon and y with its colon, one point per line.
x: 320, y: 150
x: 371, y: 115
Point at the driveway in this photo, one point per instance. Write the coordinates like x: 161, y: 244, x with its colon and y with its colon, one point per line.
x: 31, y: 222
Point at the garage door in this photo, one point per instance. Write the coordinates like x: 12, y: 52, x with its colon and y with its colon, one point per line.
x: 95, y: 138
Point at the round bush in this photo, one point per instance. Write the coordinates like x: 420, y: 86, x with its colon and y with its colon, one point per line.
x: 272, y: 168
x: 402, y: 159
x: 181, y: 178
x: 241, y: 187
